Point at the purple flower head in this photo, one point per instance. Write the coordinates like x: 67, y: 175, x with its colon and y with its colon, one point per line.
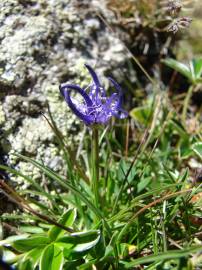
x: 96, y: 107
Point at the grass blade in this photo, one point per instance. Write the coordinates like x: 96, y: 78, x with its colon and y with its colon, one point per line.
x: 172, y: 254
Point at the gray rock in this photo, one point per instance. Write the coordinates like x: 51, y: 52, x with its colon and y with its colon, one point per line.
x: 44, y: 43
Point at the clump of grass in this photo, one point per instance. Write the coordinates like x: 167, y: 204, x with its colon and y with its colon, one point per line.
x: 148, y: 213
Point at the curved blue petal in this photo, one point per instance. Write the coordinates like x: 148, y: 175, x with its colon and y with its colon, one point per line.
x: 64, y: 87
x: 111, y: 104
x: 65, y: 91
x: 93, y: 75
x: 96, y: 91
x: 110, y: 99
x: 117, y: 110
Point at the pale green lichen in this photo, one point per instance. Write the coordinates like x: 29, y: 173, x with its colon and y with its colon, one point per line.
x: 2, y: 115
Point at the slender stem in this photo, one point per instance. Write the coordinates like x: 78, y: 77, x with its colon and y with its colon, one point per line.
x: 186, y: 103
x: 95, y: 166
x: 127, y: 138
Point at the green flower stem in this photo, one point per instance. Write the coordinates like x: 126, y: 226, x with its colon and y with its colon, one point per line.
x: 95, y: 165
x: 186, y: 103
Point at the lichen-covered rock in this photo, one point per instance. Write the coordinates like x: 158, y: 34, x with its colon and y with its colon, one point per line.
x: 34, y: 131
x: 2, y: 115
x: 19, y: 50
x: 42, y: 40
x: 44, y: 43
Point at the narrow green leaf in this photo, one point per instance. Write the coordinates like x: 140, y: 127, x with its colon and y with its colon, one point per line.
x: 65, y: 184
x: 134, y: 202
x: 197, y: 64
x: 183, y: 178
x: 172, y: 254
x: 143, y: 184
x: 67, y: 220
x: 28, y: 179
x: 131, y: 221
x: 177, y: 126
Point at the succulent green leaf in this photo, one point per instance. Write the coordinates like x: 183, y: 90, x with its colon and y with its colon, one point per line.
x: 30, y: 243
x: 34, y: 255
x: 197, y: 148
x: 179, y: 67
x: 52, y: 258
x: 13, y: 238
x: 25, y: 265
x: 80, y: 237
x: 192, y: 72
x: 78, y: 244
